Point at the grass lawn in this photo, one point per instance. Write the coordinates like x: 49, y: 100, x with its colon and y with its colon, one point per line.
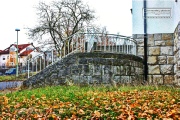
x: 22, y: 76
x: 74, y: 102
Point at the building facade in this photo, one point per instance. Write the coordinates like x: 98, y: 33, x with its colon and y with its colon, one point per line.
x: 159, y: 20
x: 8, y: 56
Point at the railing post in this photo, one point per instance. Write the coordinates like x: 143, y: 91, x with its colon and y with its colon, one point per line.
x: 109, y: 44
x: 68, y: 47
x: 28, y: 69
x: 100, y: 43
x: 64, y: 48
x: 72, y: 44
x: 104, y: 44
x: 116, y: 44
x: 36, y: 65
x: 44, y: 61
x: 61, y: 53
x: 112, y: 44
x: 127, y: 47
x: 52, y: 56
x: 40, y: 62
x: 77, y: 44
x: 84, y: 42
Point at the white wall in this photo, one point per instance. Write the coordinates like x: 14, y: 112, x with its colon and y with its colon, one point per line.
x: 3, y: 62
x: 33, y: 53
x: 176, y: 12
x: 155, y: 25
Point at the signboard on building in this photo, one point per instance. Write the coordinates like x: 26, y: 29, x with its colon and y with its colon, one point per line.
x: 157, y: 12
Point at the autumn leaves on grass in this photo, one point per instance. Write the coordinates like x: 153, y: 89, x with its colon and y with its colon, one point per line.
x: 90, y: 103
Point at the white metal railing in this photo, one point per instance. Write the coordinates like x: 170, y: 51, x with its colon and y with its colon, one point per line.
x: 112, y: 43
x: 85, y: 42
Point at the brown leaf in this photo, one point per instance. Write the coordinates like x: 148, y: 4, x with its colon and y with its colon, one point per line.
x: 32, y: 97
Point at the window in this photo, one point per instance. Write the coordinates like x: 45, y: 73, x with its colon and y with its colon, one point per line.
x: 12, y: 49
x: 29, y: 48
x: 11, y: 63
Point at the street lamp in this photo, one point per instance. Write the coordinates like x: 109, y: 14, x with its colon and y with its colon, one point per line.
x: 17, y: 53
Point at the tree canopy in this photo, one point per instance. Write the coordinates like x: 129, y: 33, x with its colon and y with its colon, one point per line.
x: 59, y: 20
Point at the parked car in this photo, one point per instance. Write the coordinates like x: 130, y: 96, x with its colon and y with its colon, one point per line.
x: 11, y: 71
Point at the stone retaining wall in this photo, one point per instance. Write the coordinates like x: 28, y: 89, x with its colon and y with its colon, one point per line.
x: 160, y: 56
x: 90, y: 68
x: 177, y: 54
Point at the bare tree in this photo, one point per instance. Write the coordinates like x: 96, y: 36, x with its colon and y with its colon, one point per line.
x: 59, y: 20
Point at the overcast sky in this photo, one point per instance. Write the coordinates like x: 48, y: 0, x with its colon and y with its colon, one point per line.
x: 114, y: 14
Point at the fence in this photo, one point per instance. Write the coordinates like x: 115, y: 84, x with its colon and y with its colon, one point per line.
x: 84, y: 42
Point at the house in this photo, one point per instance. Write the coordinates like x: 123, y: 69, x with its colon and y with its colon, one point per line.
x: 8, y: 56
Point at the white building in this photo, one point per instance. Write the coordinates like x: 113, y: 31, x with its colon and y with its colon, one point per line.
x: 162, y: 16
x: 160, y: 48
x: 8, y: 56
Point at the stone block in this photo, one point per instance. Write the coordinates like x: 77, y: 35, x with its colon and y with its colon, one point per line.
x: 167, y: 36
x: 157, y: 79
x: 170, y: 59
x: 175, y: 68
x: 157, y: 36
x: 133, y: 69
x: 160, y: 43
x: 54, y: 76
x: 134, y: 36
x: 140, y: 51
x: 152, y: 59
x: 169, y: 79
x: 154, y: 69
x: 150, y: 41
x: 169, y: 43
x: 106, y: 78
x: 162, y: 60
x: 150, y: 36
x: 140, y: 42
x: 150, y: 79
x: 140, y: 36
x: 166, y: 69
x: 124, y: 79
x: 117, y: 79
x: 166, y: 50
x: 154, y: 51
x: 97, y: 70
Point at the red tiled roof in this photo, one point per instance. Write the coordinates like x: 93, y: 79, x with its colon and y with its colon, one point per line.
x: 25, y: 53
x: 6, y: 51
x: 21, y: 47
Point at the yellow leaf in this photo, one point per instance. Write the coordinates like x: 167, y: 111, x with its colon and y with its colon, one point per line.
x: 81, y: 112
x: 97, y: 104
x: 5, y: 100
x: 150, y: 111
x: 160, y: 104
x: 55, y: 106
x: 172, y: 101
x: 43, y: 97
x: 97, y: 113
